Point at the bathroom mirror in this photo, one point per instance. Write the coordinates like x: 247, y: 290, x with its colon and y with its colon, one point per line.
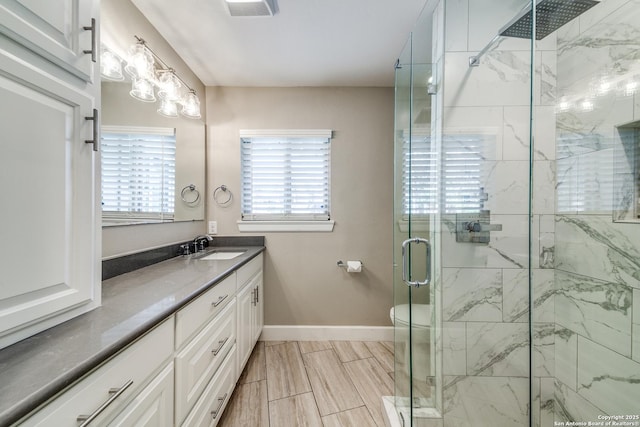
x: 120, y: 21
x: 120, y: 110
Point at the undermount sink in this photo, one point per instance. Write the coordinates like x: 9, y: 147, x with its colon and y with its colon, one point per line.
x: 221, y: 255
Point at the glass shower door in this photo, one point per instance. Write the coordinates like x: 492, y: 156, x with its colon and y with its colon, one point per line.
x: 415, y: 206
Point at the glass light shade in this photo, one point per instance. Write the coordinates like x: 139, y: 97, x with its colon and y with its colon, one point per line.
x: 140, y: 64
x: 110, y: 66
x: 169, y: 86
x: 168, y: 108
x: 142, y: 90
x: 191, y: 106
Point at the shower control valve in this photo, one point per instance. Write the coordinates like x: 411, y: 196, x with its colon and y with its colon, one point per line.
x: 475, y: 227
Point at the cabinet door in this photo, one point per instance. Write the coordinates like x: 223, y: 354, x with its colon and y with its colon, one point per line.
x: 53, y: 29
x: 245, y: 300
x: 258, y: 320
x: 153, y: 406
x: 48, y: 257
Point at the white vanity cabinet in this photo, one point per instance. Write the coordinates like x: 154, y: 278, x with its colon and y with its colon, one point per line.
x: 49, y: 175
x: 182, y: 373
x: 133, y: 384
x: 250, y: 308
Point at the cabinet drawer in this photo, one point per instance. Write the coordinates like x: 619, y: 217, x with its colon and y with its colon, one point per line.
x: 193, y: 317
x: 208, y: 410
x: 197, y: 363
x: 153, y: 406
x: 127, y: 372
x: 249, y: 270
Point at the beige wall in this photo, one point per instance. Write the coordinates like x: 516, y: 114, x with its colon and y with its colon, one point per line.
x: 303, y: 285
x: 120, y: 21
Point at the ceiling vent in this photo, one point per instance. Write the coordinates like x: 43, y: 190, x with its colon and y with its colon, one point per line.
x: 251, y: 7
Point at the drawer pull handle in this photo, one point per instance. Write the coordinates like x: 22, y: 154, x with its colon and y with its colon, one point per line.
x: 115, y: 393
x: 221, y: 400
x: 221, y: 344
x: 217, y: 303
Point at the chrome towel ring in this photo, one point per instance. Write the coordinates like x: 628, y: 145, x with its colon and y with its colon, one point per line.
x: 190, y: 189
x: 216, y: 194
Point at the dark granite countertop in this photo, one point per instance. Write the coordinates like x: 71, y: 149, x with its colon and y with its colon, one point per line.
x: 37, y: 368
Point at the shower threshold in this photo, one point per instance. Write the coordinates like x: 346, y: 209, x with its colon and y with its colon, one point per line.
x: 400, y: 416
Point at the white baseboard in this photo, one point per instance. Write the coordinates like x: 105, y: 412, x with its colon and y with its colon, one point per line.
x: 326, y: 333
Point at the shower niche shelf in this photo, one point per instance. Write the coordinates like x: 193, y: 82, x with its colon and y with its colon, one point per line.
x: 626, y: 173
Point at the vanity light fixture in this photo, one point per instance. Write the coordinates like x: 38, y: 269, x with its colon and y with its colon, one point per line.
x: 149, y: 74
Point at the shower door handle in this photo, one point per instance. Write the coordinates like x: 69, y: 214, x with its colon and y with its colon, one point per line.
x: 405, y: 245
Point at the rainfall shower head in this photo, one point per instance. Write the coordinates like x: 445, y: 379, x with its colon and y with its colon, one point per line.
x: 550, y: 15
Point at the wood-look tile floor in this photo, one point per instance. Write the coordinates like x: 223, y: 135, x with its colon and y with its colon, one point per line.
x: 312, y: 383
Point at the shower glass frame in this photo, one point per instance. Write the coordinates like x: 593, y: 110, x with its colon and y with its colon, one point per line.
x: 417, y: 365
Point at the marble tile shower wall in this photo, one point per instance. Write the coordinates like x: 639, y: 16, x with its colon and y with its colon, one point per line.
x: 597, y: 288
x: 485, y: 301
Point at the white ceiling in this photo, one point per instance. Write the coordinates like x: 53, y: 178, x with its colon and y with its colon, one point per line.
x: 306, y: 43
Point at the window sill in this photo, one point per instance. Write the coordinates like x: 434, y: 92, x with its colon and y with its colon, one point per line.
x: 285, y: 226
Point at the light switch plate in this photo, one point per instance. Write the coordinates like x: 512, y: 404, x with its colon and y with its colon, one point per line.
x: 213, y: 227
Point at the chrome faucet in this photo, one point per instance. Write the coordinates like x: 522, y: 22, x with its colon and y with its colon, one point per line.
x: 198, y: 242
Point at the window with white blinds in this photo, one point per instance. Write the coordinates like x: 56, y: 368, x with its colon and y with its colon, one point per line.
x: 461, y: 170
x: 285, y: 175
x: 138, y: 173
